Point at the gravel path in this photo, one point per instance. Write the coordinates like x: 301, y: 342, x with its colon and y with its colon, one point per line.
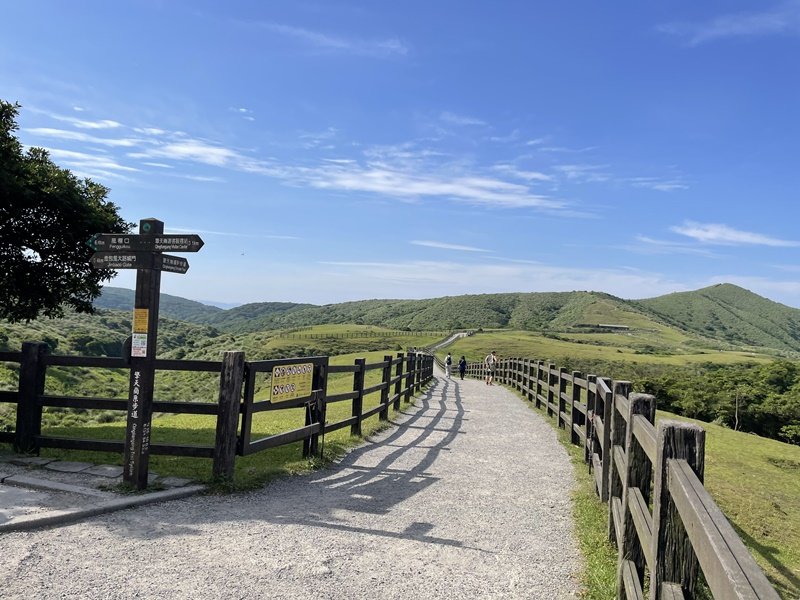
x: 468, y: 498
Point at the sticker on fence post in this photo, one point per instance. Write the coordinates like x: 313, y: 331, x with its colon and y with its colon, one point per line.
x: 290, y: 382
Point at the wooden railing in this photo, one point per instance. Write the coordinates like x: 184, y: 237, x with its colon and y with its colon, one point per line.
x: 233, y: 408
x: 666, y: 526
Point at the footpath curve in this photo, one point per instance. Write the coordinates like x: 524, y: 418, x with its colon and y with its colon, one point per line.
x: 468, y: 498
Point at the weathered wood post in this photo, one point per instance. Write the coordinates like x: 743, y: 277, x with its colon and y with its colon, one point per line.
x: 409, y: 377
x: 590, y: 410
x: 398, y: 384
x: 608, y: 412
x: 538, y: 392
x: 575, y: 416
x: 674, y: 558
x: 562, y: 404
x: 358, y: 400
x: 387, y: 376
x: 230, y: 394
x: 616, y: 457
x: 635, y: 488
x: 418, y: 372
x: 551, y: 382
x: 31, y: 386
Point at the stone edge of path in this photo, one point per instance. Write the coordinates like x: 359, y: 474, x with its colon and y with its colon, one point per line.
x: 65, y: 516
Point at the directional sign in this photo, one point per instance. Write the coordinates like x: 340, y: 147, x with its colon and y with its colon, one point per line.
x: 173, y: 242
x: 122, y: 260
x: 172, y: 264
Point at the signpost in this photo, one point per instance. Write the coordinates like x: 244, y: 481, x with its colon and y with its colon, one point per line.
x: 142, y: 252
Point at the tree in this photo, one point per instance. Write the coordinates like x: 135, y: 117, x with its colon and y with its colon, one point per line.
x: 46, y: 216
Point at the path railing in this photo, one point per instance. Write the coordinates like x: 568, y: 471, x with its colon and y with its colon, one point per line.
x: 666, y: 526
x: 233, y: 409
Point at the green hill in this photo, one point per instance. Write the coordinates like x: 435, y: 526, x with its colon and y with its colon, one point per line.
x: 172, y: 307
x: 729, y: 313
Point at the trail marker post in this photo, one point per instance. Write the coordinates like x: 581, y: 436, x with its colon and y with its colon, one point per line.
x: 143, y: 252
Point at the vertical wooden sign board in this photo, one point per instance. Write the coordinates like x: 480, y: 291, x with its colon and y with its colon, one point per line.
x: 143, y: 356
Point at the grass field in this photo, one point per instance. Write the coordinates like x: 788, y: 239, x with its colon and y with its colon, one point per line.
x: 611, y: 347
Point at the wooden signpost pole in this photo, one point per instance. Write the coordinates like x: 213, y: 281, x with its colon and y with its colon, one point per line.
x: 142, y: 379
x: 145, y: 253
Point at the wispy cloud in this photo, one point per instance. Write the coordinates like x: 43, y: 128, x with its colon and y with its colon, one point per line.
x: 77, y: 136
x: 513, y: 171
x: 782, y: 19
x: 446, y: 246
x: 655, y: 183
x: 455, y: 119
x: 584, y: 173
x: 712, y: 233
x: 376, y: 48
x: 262, y: 236
x: 648, y: 245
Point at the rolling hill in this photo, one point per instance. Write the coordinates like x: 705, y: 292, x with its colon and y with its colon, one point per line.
x: 724, y: 315
x: 731, y: 314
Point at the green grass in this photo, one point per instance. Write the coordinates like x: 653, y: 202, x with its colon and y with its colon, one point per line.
x: 610, y: 347
x: 756, y: 483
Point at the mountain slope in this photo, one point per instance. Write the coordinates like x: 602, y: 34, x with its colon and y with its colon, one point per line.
x: 173, y: 307
x: 729, y: 313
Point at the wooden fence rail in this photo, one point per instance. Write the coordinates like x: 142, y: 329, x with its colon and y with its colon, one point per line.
x: 233, y: 408
x: 637, y: 466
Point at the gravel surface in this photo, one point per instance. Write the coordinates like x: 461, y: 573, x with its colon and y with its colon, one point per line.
x: 467, y: 498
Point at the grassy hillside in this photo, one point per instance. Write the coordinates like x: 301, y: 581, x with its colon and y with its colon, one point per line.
x: 172, y: 307
x: 729, y: 313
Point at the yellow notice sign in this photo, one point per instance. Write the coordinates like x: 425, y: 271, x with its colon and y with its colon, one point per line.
x: 291, y: 381
x: 140, y: 318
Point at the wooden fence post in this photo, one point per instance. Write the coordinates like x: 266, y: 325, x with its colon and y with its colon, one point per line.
x: 575, y: 398
x: 409, y: 378
x: 562, y: 404
x: 635, y: 487
x: 551, y: 381
x: 616, y: 449
x: 418, y: 372
x: 31, y: 386
x: 608, y: 413
x: 398, y: 385
x: 230, y: 395
x: 358, y: 401
x: 387, y: 376
x: 538, y: 391
x: 675, y: 561
x: 589, y: 424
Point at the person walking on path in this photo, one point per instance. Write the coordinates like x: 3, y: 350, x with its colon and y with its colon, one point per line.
x: 448, y: 363
x: 490, y: 361
x: 462, y: 367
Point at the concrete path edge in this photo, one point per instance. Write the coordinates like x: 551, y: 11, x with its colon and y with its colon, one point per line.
x: 62, y: 517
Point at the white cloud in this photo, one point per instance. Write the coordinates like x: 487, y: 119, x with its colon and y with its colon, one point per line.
x: 584, y: 173
x: 194, y: 151
x: 454, y: 119
x: 379, y: 48
x: 513, y: 171
x: 660, y: 185
x: 648, y: 245
x: 446, y: 246
x: 84, y: 161
x: 783, y: 19
x: 77, y: 136
x: 712, y: 233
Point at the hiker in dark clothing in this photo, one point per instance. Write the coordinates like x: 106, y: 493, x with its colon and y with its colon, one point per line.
x: 462, y: 367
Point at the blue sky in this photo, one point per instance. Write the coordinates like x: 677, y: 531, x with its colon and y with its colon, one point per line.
x: 330, y: 151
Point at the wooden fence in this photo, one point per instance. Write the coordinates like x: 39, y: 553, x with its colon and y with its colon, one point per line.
x: 666, y: 526
x: 339, y: 335
x: 401, y: 376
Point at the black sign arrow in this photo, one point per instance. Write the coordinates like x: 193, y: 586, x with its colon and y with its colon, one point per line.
x: 164, y: 242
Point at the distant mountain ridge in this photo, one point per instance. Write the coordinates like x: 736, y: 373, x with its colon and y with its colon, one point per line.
x: 726, y: 313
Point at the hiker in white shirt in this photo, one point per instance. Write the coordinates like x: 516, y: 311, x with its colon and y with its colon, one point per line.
x: 490, y: 361
x: 448, y: 362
